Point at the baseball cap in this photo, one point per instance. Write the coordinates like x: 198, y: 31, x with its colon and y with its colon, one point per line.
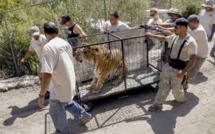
x: 34, y: 31
x: 208, y: 3
x: 155, y: 10
x: 65, y: 18
x: 181, y: 22
x: 193, y: 18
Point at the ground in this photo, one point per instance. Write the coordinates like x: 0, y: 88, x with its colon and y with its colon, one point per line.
x: 125, y: 115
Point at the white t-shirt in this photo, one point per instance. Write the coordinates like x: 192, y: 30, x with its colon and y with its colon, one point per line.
x: 37, y: 45
x: 207, y: 19
x: 153, y: 21
x: 190, y: 47
x: 57, y: 59
x: 113, y: 28
x: 200, y: 36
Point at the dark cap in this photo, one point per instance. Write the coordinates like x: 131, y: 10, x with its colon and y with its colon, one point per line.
x: 115, y: 14
x: 50, y: 28
x: 65, y: 18
x: 181, y: 22
x: 193, y: 18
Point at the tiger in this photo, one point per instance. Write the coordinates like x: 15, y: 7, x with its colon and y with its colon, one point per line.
x: 108, y: 65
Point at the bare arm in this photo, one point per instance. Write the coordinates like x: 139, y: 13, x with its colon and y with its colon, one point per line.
x: 159, y: 37
x: 46, y: 78
x: 166, y: 25
x: 80, y: 31
x: 27, y: 55
x: 191, y: 62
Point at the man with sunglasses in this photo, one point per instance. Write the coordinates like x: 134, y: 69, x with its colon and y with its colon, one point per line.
x: 154, y: 19
x: 183, y: 50
x: 74, y: 31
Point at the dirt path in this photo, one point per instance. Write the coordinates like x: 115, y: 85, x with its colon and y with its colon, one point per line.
x: 19, y: 113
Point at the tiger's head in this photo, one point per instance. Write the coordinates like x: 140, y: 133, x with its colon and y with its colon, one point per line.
x: 89, y: 53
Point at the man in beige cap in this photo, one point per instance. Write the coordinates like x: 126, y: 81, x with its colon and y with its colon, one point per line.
x: 207, y: 20
x: 36, y: 45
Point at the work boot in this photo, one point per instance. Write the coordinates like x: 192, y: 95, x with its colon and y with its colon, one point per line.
x: 155, y: 107
x: 85, y: 120
x: 176, y: 103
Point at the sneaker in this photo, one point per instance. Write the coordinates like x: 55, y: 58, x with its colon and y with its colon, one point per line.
x: 176, y: 103
x: 154, y: 107
x: 85, y: 120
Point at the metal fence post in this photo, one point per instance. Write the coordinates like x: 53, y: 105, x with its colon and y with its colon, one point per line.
x: 10, y: 44
x: 105, y: 10
x: 170, y: 3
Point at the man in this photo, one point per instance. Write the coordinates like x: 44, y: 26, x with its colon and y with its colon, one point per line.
x: 207, y: 20
x: 36, y: 45
x: 174, y: 15
x: 168, y: 25
x: 155, y: 19
x: 114, y: 24
x: 58, y: 74
x: 74, y: 31
x: 183, y: 51
x: 199, y: 34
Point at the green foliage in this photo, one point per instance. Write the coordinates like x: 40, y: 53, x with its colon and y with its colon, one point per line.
x: 190, y: 9
x: 84, y: 12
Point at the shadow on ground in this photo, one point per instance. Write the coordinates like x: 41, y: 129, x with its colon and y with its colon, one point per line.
x: 23, y: 112
x: 111, y: 112
x: 164, y: 122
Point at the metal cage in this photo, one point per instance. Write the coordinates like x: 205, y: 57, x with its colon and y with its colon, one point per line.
x: 142, y: 60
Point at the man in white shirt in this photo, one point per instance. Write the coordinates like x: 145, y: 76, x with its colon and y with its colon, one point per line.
x: 114, y: 24
x: 199, y: 34
x: 183, y: 50
x: 59, y: 75
x: 154, y: 20
x: 36, y: 45
x: 207, y: 20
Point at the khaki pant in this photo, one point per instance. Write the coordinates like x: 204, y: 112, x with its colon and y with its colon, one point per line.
x: 195, y: 68
x: 168, y: 81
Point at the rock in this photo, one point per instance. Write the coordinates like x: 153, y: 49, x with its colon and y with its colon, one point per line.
x: 3, y: 87
x: 18, y: 82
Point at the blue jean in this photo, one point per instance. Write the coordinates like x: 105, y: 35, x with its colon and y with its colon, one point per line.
x: 58, y: 114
